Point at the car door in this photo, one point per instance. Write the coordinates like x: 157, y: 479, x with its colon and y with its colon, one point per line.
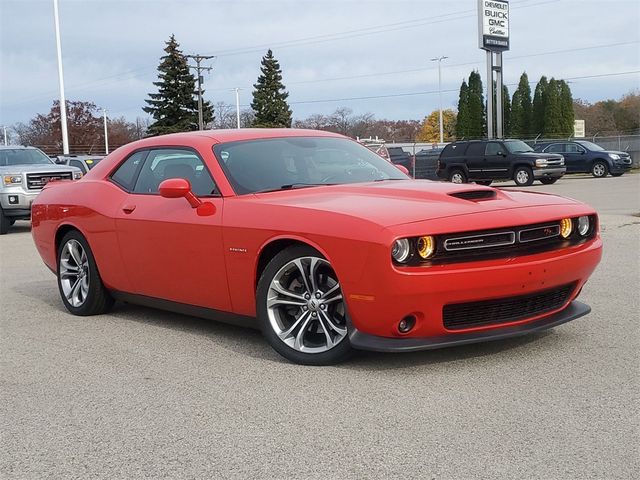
x: 169, y: 251
x: 474, y: 159
x: 575, y: 158
x: 495, y: 161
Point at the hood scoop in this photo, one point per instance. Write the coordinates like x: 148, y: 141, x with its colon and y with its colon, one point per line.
x: 474, y: 195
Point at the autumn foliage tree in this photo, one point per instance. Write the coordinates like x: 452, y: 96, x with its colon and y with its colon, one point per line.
x: 430, y: 130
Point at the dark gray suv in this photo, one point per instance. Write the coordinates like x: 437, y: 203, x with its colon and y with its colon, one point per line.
x: 483, y: 161
x: 582, y: 156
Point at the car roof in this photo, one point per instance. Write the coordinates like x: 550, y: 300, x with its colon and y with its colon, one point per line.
x: 238, y: 134
x: 16, y: 147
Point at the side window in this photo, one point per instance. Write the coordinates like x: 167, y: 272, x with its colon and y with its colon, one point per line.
x: 556, y: 148
x: 493, y: 148
x: 125, y: 175
x: 476, y: 149
x: 79, y: 164
x: 164, y: 163
x: 573, y: 148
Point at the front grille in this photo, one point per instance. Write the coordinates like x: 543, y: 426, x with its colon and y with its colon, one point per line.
x: 504, y: 310
x: 37, y: 181
x: 552, y: 162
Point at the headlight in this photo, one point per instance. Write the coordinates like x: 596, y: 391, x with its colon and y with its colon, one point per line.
x: 566, y: 227
x: 561, y: 161
x: 426, y: 246
x: 12, y: 179
x: 400, y: 250
x: 77, y: 175
x: 614, y: 156
x: 583, y: 226
x: 541, y: 162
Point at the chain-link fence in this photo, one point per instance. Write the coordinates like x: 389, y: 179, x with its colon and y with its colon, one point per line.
x: 425, y: 155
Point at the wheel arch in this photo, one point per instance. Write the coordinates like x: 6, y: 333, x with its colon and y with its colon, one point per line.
x: 61, y: 231
x: 274, y: 246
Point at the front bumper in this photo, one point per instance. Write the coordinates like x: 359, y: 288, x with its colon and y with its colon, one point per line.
x: 620, y: 167
x: 16, y: 202
x: 539, y: 173
x: 364, y: 341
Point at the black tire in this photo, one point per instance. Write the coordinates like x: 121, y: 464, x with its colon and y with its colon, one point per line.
x: 485, y: 183
x: 523, y: 176
x: 5, y: 223
x: 548, y: 181
x: 278, y: 264
x: 97, y: 300
x: 457, y: 176
x: 619, y: 174
x: 599, y: 169
x: 12, y: 221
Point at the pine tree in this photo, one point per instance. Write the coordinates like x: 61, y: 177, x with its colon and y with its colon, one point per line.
x: 175, y: 108
x: 270, y: 97
x: 566, y: 107
x: 521, y: 109
x: 553, y: 121
x: 476, y: 117
x: 462, y: 121
x: 538, y: 107
x: 506, y: 108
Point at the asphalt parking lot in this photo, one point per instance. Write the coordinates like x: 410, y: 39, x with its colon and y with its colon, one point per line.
x: 141, y: 393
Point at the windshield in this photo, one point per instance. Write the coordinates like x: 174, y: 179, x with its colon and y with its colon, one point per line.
x: 294, y: 162
x: 517, y: 146
x: 23, y: 156
x: 591, y: 146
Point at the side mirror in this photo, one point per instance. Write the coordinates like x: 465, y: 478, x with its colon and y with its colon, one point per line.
x: 175, y: 188
x: 181, y: 188
x: 403, y: 169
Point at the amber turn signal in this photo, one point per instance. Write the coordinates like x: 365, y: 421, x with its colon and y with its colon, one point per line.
x: 566, y: 227
x: 426, y: 246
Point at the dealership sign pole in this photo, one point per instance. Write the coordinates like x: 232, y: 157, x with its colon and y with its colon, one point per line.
x: 493, y: 37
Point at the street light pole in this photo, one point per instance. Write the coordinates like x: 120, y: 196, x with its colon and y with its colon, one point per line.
x: 106, y: 134
x: 63, y: 102
x: 439, y: 60
x: 237, y: 107
x: 5, y: 135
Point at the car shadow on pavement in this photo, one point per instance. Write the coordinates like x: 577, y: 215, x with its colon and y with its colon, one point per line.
x: 249, y: 342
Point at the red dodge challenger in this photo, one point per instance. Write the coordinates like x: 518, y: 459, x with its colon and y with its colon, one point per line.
x: 316, y: 240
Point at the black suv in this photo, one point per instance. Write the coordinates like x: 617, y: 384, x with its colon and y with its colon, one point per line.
x: 582, y: 156
x: 483, y: 161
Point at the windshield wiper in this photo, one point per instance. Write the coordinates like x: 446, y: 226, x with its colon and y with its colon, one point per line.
x: 292, y: 186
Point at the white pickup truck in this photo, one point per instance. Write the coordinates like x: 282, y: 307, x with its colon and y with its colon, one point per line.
x: 24, y: 171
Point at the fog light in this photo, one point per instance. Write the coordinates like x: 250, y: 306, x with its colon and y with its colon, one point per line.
x: 566, y: 227
x: 406, y: 324
x: 426, y: 246
x: 13, y: 199
x: 583, y: 225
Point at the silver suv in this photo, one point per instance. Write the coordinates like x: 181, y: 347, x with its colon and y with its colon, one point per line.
x: 24, y: 171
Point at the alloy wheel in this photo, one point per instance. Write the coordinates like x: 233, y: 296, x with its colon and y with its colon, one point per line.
x: 457, y: 178
x: 599, y: 170
x: 74, y: 273
x: 522, y: 177
x: 305, y: 307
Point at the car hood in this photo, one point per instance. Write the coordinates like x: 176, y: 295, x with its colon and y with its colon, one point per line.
x: 42, y: 168
x: 389, y: 203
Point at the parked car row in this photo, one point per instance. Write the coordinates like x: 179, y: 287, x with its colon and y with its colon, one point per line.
x: 484, y: 161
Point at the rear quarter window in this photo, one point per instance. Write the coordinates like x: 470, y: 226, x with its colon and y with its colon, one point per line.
x: 453, y: 150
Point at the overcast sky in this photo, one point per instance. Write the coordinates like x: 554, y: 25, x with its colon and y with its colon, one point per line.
x: 331, y: 52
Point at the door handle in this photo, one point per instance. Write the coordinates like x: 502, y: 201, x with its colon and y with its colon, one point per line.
x: 128, y: 209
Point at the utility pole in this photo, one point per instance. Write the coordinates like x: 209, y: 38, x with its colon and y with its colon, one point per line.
x: 198, y: 68
x: 439, y: 60
x: 106, y: 134
x: 237, y: 107
x: 63, y: 102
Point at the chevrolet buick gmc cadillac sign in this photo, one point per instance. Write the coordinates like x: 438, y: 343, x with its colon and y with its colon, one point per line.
x: 493, y: 25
